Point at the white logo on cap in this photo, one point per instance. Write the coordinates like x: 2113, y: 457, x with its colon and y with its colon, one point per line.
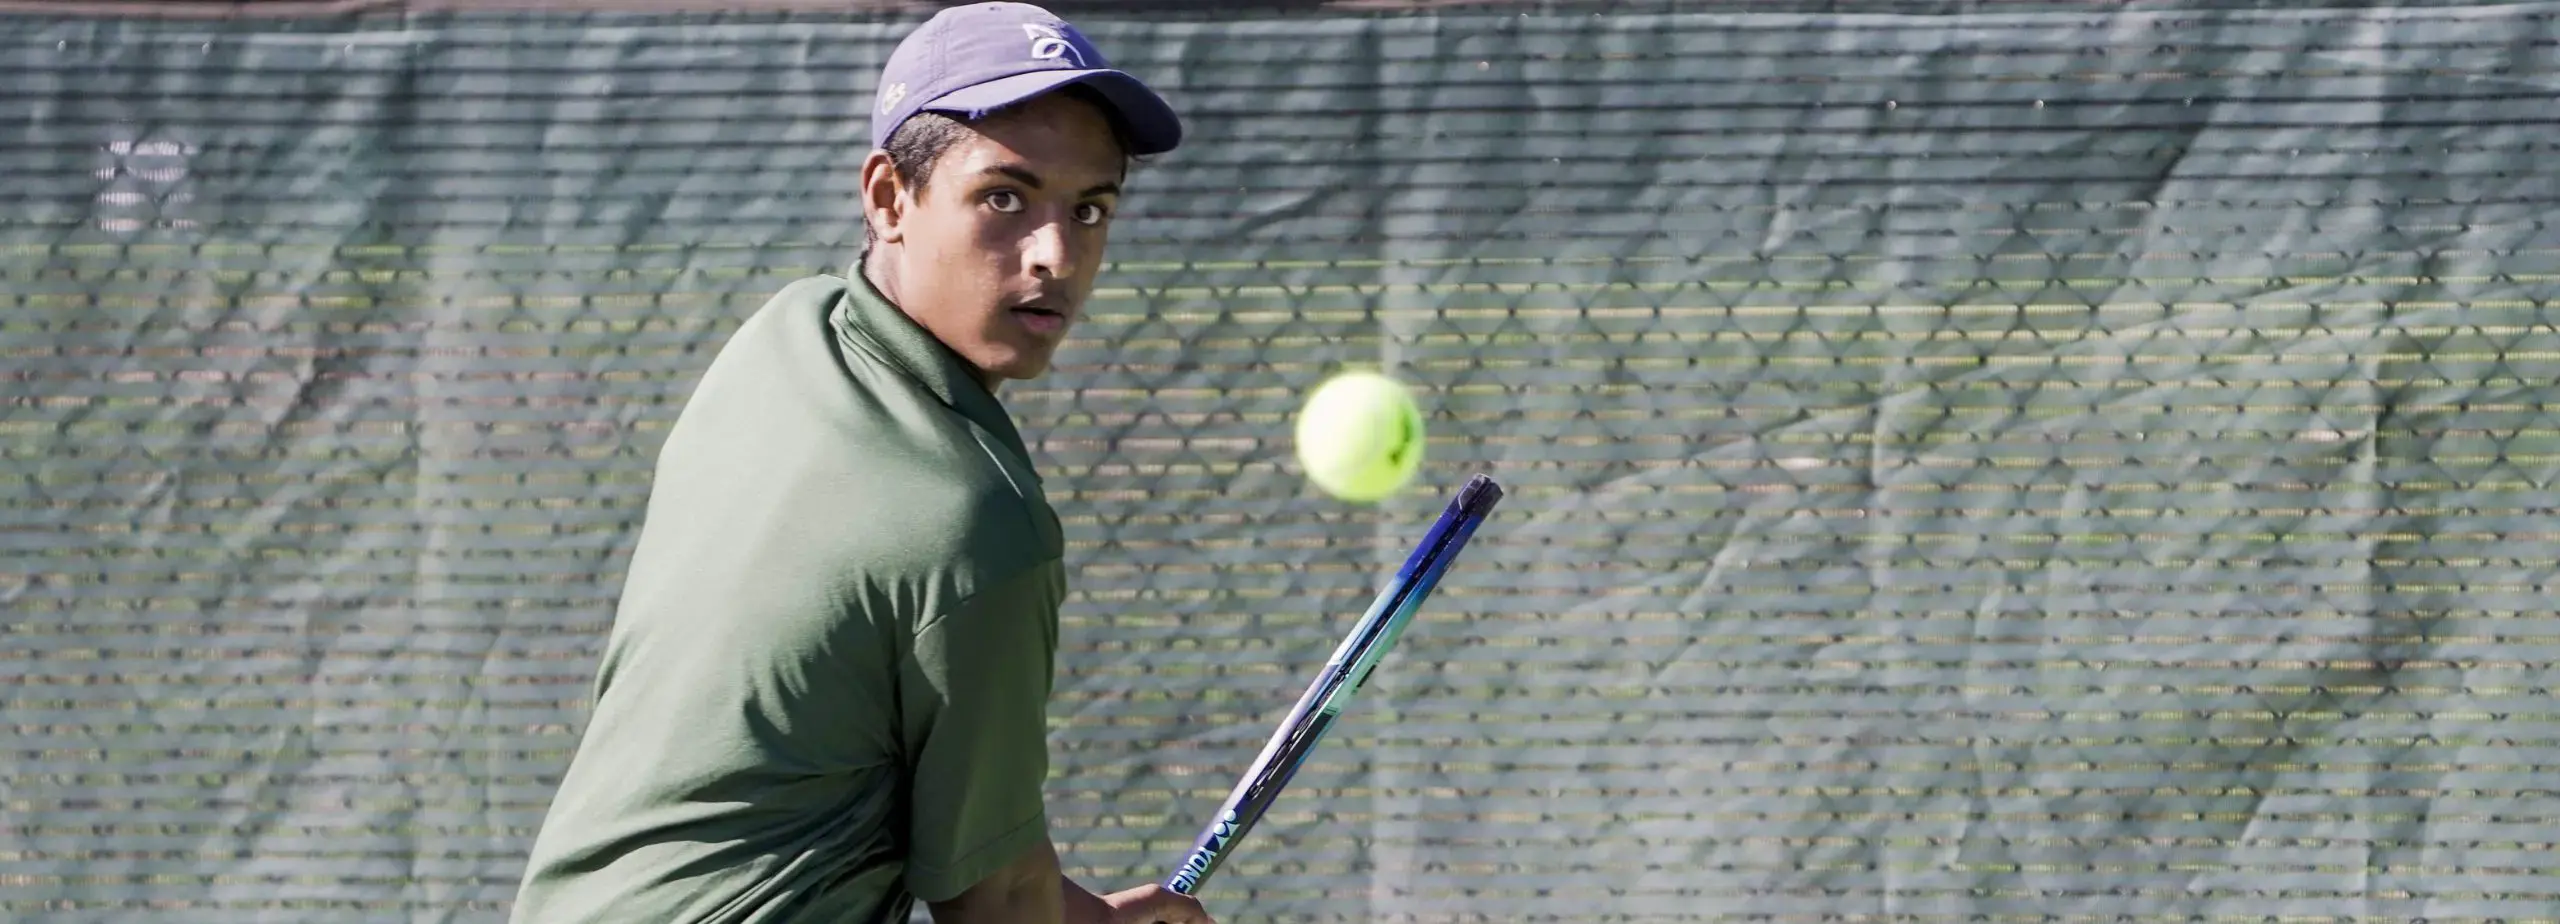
x: 889, y: 97
x: 1047, y: 42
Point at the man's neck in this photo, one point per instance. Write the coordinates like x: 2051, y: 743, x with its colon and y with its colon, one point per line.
x: 883, y: 276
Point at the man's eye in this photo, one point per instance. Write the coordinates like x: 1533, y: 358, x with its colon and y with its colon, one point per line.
x: 1091, y: 213
x: 1005, y: 200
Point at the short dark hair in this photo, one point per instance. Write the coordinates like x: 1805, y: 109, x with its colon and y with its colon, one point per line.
x: 919, y: 143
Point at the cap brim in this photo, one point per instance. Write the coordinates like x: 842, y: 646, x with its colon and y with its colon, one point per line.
x: 1153, y: 126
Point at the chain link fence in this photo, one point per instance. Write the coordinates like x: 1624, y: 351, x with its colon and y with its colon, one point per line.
x: 2022, y: 462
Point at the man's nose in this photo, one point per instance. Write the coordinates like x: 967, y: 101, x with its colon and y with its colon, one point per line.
x: 1050, y: 251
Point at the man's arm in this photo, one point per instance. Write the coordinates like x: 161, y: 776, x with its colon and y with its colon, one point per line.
x: 1082, y: 906
x: 1032, y: 888
x: 977, y: 690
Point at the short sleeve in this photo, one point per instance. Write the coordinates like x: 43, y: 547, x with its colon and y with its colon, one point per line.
x: 975, y: 697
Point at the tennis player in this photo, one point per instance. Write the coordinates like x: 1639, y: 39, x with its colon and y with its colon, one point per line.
x: 823, y: 697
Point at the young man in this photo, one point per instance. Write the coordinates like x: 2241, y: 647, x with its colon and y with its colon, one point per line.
x: 825, y: 690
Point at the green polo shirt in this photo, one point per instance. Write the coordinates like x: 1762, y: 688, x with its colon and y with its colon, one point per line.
x: 825, y: 689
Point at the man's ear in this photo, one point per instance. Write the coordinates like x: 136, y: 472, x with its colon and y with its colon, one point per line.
x: 884, y: 200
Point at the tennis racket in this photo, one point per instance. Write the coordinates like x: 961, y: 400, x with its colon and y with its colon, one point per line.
x: 1342, y: 676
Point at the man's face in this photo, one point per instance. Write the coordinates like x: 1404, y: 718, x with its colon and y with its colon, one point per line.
x: 998, y: 253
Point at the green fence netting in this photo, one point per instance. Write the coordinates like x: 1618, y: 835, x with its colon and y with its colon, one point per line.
x: 1994, y: 462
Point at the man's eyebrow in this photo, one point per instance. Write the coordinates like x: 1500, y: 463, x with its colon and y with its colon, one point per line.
x: 1030, y: 179
x: 1019, y: 175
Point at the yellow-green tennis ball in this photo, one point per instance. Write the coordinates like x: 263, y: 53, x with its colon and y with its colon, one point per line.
x: 1360, y: 436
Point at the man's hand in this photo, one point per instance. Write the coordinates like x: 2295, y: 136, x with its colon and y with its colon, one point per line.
x: 1153, y: 904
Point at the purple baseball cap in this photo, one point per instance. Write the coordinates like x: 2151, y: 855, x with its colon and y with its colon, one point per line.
x: 975, y: 59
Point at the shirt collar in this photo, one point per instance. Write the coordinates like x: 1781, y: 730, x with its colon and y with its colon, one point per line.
x: 868, y: 315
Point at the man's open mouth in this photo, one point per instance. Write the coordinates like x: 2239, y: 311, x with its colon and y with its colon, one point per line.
x: 1041, y: 319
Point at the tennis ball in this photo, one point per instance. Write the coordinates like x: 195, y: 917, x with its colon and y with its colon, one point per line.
x: 1360, y: 436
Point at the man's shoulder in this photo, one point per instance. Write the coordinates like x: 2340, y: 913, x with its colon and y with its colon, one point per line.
x: 792, y: 320
x: 791, y: 415
x: 786, y: 385
x: 916, y: 519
